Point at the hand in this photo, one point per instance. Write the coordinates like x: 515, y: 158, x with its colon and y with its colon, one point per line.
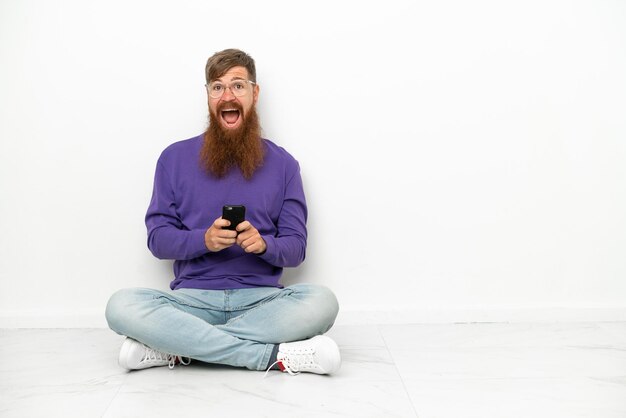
x: 216, y: 238
x: 249, y: 238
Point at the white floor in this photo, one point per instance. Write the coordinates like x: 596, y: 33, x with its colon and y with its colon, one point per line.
x: 426, y: 371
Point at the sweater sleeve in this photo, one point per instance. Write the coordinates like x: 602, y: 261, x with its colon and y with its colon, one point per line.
x: 287, y: 248
x: 168, y: 237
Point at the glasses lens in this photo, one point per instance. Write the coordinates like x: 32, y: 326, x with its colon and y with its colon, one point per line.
x: 216, y: 90
x: 239, y: 87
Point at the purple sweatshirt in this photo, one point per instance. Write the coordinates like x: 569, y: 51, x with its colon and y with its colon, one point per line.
x: 186, y: 200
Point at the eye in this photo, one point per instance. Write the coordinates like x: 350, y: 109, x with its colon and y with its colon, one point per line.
x: 239, y: 85
x: 217, y: 87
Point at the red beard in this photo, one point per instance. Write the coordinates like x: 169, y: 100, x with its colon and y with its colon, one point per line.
x: 242, y: 147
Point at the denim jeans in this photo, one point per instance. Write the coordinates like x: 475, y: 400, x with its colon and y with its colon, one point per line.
x: 238, y: 327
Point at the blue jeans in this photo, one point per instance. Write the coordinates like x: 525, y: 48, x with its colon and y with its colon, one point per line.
x: 238, y: 327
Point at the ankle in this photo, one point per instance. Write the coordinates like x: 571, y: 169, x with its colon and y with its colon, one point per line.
x: 273, y: 363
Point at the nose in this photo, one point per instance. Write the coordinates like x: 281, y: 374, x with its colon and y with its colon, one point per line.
x: 228, y: 95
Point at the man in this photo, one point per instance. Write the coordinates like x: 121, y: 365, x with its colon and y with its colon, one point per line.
x: 226, y: 305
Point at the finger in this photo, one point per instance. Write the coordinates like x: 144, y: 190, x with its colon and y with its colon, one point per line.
x: 255, y: 247
x: 242, y: 236
x: 226, y: 233
x: 221, y: 222
x: 227, y: 240
x: 247, y: 246
x: 222, y: 245
x: 244, y: 226
x: 250, y: 242
x: 248, y: 238
x: 243, y: 242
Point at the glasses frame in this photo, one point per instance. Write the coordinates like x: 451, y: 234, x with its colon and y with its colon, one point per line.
x: 228, y: 86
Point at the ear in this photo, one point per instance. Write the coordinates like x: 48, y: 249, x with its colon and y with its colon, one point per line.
x: 208, y: 98
x: 255, y: 93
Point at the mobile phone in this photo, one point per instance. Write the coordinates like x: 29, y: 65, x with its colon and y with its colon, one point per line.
x: 236, y: 214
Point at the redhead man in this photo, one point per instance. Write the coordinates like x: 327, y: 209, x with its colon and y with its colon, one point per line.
x: 226, y: 305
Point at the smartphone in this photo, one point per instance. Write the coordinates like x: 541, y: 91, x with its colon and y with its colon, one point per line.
x: 236, y: 214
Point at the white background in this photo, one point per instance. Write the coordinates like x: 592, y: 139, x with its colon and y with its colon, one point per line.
x: 462, y: 160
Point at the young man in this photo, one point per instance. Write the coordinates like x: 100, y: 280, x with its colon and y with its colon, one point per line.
x: 226, y: 305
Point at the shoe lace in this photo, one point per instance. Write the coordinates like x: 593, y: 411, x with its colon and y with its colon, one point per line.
x: 155, y: 356
x: 174, y: 360
x: 295, y: 361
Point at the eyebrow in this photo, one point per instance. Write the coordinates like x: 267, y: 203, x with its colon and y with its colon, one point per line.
x: 232, y: 79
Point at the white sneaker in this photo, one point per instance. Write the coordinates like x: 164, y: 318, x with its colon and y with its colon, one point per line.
x: 318, y: 355
x: 135, y: 356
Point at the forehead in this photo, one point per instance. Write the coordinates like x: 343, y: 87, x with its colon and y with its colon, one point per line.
x: 234, y: 74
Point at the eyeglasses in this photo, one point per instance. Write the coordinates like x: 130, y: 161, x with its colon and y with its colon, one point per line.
x: 238, y: 88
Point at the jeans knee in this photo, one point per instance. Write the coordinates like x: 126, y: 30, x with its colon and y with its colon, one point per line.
x: 323, y: 302
x: 117, y: 309
x: 331, y: 306
x: 329, y: 302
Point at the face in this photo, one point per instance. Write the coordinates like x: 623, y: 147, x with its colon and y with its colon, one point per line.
x: 228, y: 108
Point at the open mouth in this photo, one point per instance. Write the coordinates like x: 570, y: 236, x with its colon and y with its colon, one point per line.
x: 230, y: 116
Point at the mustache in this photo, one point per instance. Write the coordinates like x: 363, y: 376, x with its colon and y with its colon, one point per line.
x: 229, y: 105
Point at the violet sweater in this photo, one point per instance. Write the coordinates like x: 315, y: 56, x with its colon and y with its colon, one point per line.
x: 186, y: 200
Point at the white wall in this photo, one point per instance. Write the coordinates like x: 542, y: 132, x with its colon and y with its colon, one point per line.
x: 462, y: 160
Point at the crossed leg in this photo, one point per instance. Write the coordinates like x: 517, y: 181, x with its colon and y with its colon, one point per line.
x: 235, y: 327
